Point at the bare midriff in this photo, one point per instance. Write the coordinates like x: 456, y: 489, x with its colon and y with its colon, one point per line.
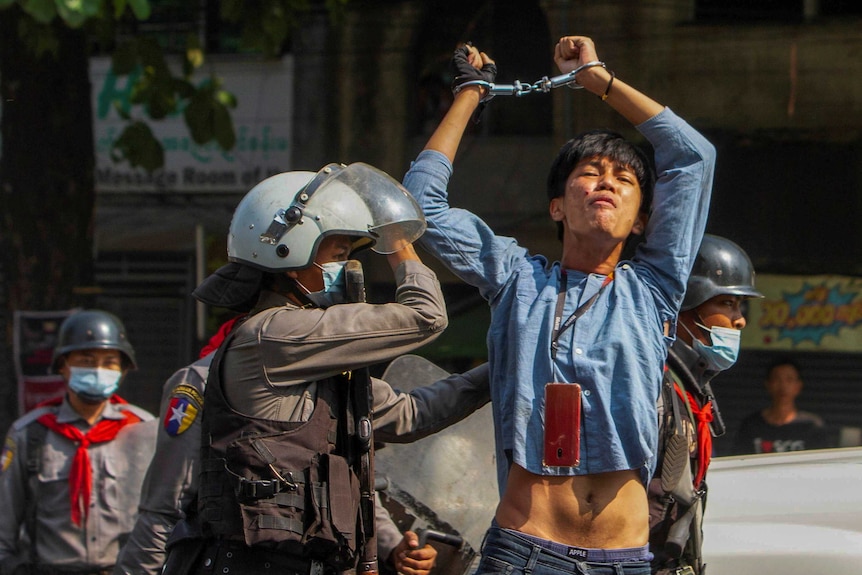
x: 600, y: 511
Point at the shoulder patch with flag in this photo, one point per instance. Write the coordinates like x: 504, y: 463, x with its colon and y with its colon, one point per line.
x: 183, y: 409
x: 7, y: 455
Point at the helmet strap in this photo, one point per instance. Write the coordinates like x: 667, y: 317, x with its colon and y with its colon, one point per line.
x: 296, y: 289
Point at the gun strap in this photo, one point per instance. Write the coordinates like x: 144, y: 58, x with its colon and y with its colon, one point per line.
x: 36, y: 436
x: 360, y: 388
x: 676, y: 475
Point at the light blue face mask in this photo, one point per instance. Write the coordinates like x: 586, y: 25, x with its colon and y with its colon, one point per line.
x: 722, y: 354
x: 94, y: 384
x: 334, y: 286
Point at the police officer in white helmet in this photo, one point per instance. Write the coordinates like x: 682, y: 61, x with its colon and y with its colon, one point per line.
x: 280, y: 465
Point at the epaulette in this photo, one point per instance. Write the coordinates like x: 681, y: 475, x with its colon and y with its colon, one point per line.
x: 202, y: 368
x: 32, y: 416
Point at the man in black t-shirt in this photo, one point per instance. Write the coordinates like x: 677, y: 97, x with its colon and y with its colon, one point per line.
x: 781, y: 427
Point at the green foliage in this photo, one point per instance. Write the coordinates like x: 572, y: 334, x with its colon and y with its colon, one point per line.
x: 266, y: 25
x: 157, y: 89
x: 42, y: 11
x: 140, y: 8
x: 194, y: 54
x: 37, y: 38
x: 139, y: 146
x: 206, y: 108
x: 208, y: 117
x: 76, y: 12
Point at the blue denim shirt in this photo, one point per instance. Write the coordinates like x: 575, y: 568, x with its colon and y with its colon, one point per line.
x: 617, y: 349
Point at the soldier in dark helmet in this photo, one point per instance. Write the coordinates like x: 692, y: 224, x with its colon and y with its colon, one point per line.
x: 72, y: 468
x: 286, y: 480
x: 707, y: 343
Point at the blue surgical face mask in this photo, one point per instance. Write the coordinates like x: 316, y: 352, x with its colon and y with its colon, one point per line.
x: 334, y: 286
x: 94, y: 383
x: 722, y: 354
x: 333, y: 276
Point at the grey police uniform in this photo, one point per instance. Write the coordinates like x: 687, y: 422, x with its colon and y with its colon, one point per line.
x: 281, y: 351
x: 117, y: 467
x: 274, y: 362
x: 171, y: 483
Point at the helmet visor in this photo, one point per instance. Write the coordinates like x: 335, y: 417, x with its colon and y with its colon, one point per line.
x: 390, y: 214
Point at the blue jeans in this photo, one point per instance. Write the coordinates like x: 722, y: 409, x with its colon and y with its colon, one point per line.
x: 505, y: 552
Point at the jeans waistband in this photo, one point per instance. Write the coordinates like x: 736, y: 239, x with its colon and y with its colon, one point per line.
x: 587, y: 554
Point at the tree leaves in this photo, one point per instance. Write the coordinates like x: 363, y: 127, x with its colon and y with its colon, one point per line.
x: 43, y: 11
x: 140, y: 8
x: 266, y: 24
x: 138, y: 146
x: 158, y: 90
x: 161, y: 93
x: 76, y: 12
x: 208, y: 117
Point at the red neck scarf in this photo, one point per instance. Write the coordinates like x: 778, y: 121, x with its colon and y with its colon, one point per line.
x: 703, y: 415
x: 219, y: 336
x: 80, y: 475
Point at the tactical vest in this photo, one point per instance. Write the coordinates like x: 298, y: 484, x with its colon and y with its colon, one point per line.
x: 676, y: 507
x: 275, y: 484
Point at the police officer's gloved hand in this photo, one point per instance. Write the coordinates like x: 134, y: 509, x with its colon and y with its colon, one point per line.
x: 463, y: 71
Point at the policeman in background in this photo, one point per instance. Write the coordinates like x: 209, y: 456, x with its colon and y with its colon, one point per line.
x: 707, y: 343
x: 170, y: 487
x: 285, y: 469
x: 72, y: 468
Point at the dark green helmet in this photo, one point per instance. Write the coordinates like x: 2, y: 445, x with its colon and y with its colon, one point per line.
x: 93, y: 329
x: 720, y: 268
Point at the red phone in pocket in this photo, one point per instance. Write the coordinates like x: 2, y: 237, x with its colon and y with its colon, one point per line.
x: 562, y: 425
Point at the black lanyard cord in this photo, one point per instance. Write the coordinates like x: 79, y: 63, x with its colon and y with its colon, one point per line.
x: 570, y: 321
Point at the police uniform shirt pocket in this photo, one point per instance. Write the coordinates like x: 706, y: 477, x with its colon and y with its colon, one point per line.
x: 115, y: 468
x: 53, y: 483
x: 55, y: 465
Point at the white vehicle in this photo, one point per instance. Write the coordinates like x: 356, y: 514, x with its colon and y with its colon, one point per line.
x: 796, y: 513
x: 785, y: 513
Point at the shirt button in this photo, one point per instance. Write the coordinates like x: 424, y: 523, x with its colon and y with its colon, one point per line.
x: 579, y: 351
x: 587, y: 392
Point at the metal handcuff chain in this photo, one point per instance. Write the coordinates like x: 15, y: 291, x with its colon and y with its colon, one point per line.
x: 519, y: 88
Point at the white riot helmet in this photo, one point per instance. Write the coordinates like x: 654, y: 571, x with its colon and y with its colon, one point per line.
x: 280, y: 222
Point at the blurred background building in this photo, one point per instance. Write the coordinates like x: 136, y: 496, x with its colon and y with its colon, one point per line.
x: 776, y: 85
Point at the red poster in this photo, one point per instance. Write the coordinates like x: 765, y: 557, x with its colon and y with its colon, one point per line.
x: 34, y: 341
